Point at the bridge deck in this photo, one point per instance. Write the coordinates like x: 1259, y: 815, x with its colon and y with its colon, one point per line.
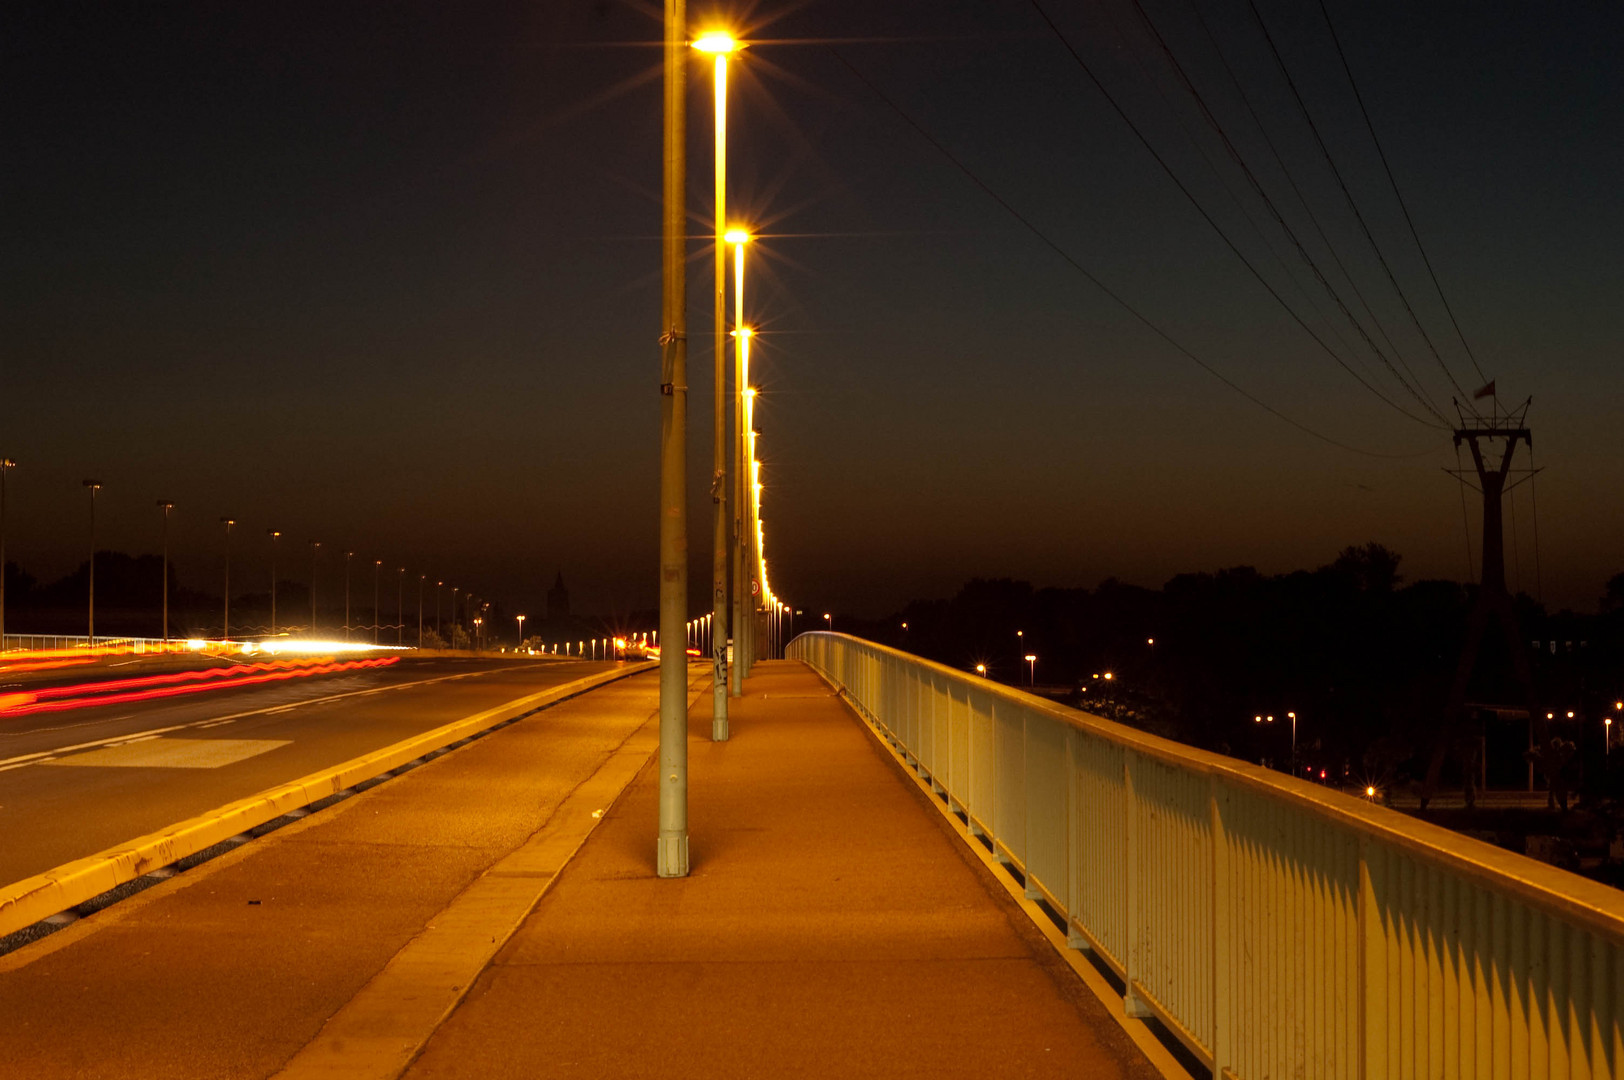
x: 832, y: 926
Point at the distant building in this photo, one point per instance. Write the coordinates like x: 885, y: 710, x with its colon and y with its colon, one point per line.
x: 558, y: 600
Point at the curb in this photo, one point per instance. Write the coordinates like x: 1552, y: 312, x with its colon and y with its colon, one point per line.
x: 26, y: 902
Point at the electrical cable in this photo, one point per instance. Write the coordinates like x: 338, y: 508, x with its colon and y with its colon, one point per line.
x: 1291, y: 181
x: 1274, y: 211
x: 1096, y: 282
x: 1347, y: 194
x: 1111, y: 99
x: 1414, y: 235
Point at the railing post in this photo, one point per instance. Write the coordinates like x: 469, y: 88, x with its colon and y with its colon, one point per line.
x: 1027, y: 815
x: 1372, y: 978
x: 1131, y: 1003
x: 1222, y: 945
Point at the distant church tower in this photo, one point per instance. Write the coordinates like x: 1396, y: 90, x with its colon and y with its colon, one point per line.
x: 558, y: 600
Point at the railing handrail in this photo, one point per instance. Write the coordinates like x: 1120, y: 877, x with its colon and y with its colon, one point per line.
x: 1599, y: 908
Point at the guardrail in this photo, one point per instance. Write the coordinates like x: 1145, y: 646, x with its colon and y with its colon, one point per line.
x: 1275, y: 927
x: 137, y: 646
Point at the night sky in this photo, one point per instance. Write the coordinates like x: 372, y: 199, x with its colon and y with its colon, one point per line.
x: 387, y: 275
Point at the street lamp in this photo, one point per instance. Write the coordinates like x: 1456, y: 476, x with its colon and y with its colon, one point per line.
x: 421, y: 578
x: 737, y: 238
x: 348, y: 555
x: 400, y: 608
x: 377, y: 565
x: 165, y: 506
x: 225, y: 614
x: 1607, y: 737
x: 1031, y: 670
x: 981, y: 669
x: 315, y: 545
x: 1293, y: 717
x: 275, y: 535
x: 6, y: 465
x: 829, y: 620
x: 521, y: 630
x: 90, y: 633
x: 720, y: 46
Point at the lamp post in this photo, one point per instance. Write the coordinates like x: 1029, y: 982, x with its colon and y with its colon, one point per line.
x: 438, y: 585
x: 6, y: 465
x: 225, y: 612
x: 348, y: 555
x: 377, y: 565
x: 1607, y: 737
x: 165, y: 506
x: 421, y: 578
x: 275, y: 535
x: 90, y: 632
x: 453, y: 634
x: 1031, y: 670
x: 720, y: 46
x: 400, y: 608
x: 521, y: 630
x: 1293, y: 718
x: 737, y: 238
x: 315, y: 545
x: 829, y: 621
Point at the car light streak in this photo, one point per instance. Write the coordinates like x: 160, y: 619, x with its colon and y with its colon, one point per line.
x: 149, y: 688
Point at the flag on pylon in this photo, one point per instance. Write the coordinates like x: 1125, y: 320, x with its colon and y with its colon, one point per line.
x: 1486, y: 390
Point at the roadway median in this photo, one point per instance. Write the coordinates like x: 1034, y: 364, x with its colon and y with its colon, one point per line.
x: 26, y: 902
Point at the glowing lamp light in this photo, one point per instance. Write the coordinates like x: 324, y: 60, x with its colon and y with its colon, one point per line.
x: 1370, y: 792
x: 718, y: 43
x: 1108, y: 675
x: 734, y: 236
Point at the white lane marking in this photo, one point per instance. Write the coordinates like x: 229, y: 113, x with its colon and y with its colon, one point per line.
x: 156, y: 753
x: 42, y: 756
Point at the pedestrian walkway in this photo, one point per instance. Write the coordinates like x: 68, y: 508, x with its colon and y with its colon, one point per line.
x: 832, y: 926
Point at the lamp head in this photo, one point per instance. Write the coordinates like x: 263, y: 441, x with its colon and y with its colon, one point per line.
x: 718, y: 43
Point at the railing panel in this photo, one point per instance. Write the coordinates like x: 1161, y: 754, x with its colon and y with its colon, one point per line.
x: 1280, y: 929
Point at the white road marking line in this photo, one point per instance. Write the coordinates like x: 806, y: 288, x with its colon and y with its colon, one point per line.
x: 42, y: 756
x: 156, y: 753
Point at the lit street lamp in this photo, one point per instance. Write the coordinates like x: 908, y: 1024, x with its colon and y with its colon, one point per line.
x: 315, y: 546
x: 377, y: 565
x: 1031, y: 670
x: 348, y: 555
x: 165, y: 506
x: 1293, y: 742
x: 90, y: 633
x: 6, y: 465
x: 720, y: 46
x: 742, y: 623
x: 225, y: 613
x: 521, y: 630
x: 275, y: 535
x: 829, y: 620
x: 1607, y: 737
x: 400, y: 608
x: 421, y: 578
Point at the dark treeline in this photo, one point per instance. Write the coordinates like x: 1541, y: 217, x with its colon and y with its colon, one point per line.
x: 1364, y: 660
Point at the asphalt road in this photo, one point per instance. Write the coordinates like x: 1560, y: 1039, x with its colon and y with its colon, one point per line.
x: 76, y: 782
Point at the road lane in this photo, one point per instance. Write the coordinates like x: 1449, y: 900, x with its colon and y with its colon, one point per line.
x: 127, y: 782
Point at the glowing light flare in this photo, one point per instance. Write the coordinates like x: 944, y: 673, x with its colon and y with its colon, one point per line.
x: 718, y: 43
x: 737, y: 236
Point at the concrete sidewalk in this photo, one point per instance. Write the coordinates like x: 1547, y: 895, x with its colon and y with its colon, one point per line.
x: 833, y: 925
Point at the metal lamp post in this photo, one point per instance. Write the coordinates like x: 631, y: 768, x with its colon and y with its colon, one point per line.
x: 348, y: 555
x: 225, y: 615
x: 377, y: 565
x: 400, y: 608
x: 6, y: 465
x: 421, y: 578
x: 315, y: 545
x: 275, y: 535
x: 521, y: 630
x: 165, y: 506
x: 90, y: 632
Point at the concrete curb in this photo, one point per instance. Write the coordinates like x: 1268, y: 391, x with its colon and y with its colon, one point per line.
x: 26, y: 902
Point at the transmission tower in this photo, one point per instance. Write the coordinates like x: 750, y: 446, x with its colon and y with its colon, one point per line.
x: 1482, y: 435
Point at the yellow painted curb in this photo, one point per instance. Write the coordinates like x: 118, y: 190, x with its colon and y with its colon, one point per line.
x: 26, y: 902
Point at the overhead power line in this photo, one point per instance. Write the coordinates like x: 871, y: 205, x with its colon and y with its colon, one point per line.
x: 1222, y: 235
x: 1121, y: 301
x: 1414, y: 235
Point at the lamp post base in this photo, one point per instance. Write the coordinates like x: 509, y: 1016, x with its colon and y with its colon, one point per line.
x: 672, y: 856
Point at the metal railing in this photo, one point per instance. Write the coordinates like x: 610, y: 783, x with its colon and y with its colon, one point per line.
x: 49, y: 642
x: 1275, y: 927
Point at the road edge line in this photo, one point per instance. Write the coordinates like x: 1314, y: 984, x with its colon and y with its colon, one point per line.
x: 26, y: 902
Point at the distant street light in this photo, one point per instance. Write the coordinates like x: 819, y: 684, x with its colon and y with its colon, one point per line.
x: 1293, y: 742
x: 275, y: 535
x: 421, y: 578
x: 438, y: 585
x: 90, y: 634
x: 165, y: 506
x: 521, y: 630
x: 981, y: 669
x: 225, y: 614
x: 1031, y: 670
x: 377, y: 565
x: 1607, y: 737
x: 829, y: 621
x: 6, y: 465
x: 348, y: 555
x: 315, y: 545
x: 400, y: 608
